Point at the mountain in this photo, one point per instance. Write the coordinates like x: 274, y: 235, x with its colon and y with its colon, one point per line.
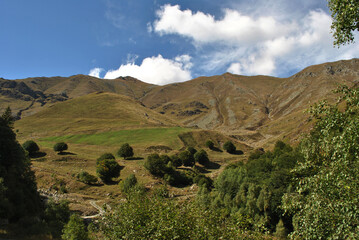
x: 256, y: 109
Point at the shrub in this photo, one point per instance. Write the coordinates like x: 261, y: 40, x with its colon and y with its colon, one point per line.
x: 108, y: 169
x: 156, y: 165
x: 31, y: 147
x: 176, y: 161
x: 166, y: 159
x: 229, y: 147
x: 125, y: 151
x: 201, y: 157
x: 192, y: 150
x: 128, y: 183
x: 105, y: 156
x: 87, y: 178
x: 60, y: 147
x: 210, y: 144
x: 187, y: 158
x: 75, y: 229
x: 56, y: 216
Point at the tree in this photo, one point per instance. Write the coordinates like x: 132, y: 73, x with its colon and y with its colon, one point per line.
x: 192, y: 150
x: 60, y: 147
x: 229, y: 147
x: 325, y: 203
x: 187, y: 158
x: 125, y: 151
x: 345, y: 14
x: 8, y: 118
x: 210, y: 144
x: 75, y: 229
x: 105, y: 156
x: 31, y: 147
x: 18, y: 190
x: 156, y: 165
x: 108, y: 169
x: 86, y: 178
x: 128, y: 183
x: 201, y: 157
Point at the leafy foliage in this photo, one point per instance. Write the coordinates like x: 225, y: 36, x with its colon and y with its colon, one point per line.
x: 156, y: 165
x: 128, y: 183
x: 87, y: 178
x: 60, y: 147
x: 192, y: 150
x: 325, y: 202
x: 187, y: 158
x: 108, y: 169
x: 252, y: 192
x: 18, y: 188
x: 155, y: 217
x: 56, y: 216
x: 75, y: 229
x: 105, y: 156
x: 345, y: 14
x: 31, y: 146
x: 201, y: 157
x: 229, y: 147
x: 125, y: 151
x: 209, y: 144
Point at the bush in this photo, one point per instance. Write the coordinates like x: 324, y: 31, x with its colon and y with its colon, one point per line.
x: 192, y: 150
x: 87, y: 178
x: 108, y: 169
x: 210, y: 144
x: 176, y: 161
x: 75, y: 229
x: 201, y: 157
x: 166, y: 159
x: 128, y: 183
x: 187, y: 158
x: 229, y: 147
x: 56, y: 216
x: 31, y: 147
x: 105, y: 156
x: 156, y: 165
x: 60, y: 147
x: 125, y: 151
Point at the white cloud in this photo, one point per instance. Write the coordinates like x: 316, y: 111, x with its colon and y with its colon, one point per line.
x: 254, y: 44
x: 95, y: 72
x: 156, y: 70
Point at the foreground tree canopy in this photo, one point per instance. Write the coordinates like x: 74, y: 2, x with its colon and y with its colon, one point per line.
x: 345, y: 14
x: 325, y: 203
x: 18, y: 191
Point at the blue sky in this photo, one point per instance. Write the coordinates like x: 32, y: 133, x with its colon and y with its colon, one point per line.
x: 164, y: 41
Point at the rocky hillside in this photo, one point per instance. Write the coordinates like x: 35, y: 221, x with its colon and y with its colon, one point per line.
x: 253, y: 109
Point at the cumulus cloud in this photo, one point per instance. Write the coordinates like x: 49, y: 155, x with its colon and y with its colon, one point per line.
x: 95, y: 72
x: 156, y: 70
x: 253, y: 44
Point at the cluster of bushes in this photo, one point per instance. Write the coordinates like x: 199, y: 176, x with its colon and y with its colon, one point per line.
x: 166, y: 167
x: 227, y: 146
x: 255, y: 189
x: 145, y: 216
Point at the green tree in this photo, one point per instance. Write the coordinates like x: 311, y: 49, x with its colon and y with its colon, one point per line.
x: 60, y: 147
x: 156, y: 165
x: 345, y: 14
x: 187, y: 158
x: 201, y: 157
x: 18, y: 190
x: 229, y: 147
x: 192, y: 150
x: 108, y: 169
x: 8, y: 118
x: 87, y: 178
x: 128, y: 183
x: 210, y: 144
x: 125, y: 151
x: 325, y: 203
x: 31, y: 146
x: 105, y: 156
x: 75, y: 229
x: 56, y: 215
